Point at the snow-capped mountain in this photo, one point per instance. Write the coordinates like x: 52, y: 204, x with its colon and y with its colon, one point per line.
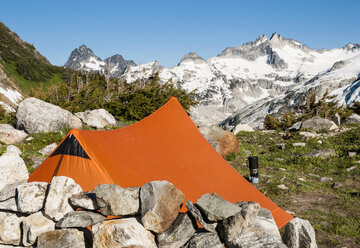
x: 83, y: 58
x: 243, y: 83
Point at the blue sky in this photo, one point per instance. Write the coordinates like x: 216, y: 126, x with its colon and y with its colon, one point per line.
x: 166, y: 30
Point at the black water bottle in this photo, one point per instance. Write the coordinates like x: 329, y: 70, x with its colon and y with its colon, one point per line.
x: 254, y: 169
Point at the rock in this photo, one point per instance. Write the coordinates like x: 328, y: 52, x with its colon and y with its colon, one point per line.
x: 180, y: 231
x: 31, y: 196
x: 280, y: 159
x: 283, y: 187
x: 299, y: 144
x: 216, y: 208
x: 34, y: 225
x: 352, y: 119
x: 281, y: 146
x: 128, y: 232
x: 352, y: 154
x: 320, y: 141
x: 63, y: 238
x: 29, y: 139
x: 37, y: 161
x: 317, y: 124
x: 48, y: 149
x: 325, y: 179
x: 10, y: 232
x: 322, y: 153
x: 309, y: 134
x: 80, y: 219
x: 336, y: 185
x: 98, y: 118
x: 195, y: 212
x: 114, y: 200
x: 282, y: 169
x: 313, y: 175
x: 351, y: 168
x: 9, y: 191
x: 85, y: 200
x: 299, y: 233
x: 242, y: 127
x: 224, y: 142
x: 263, y: 232
x: 230, y: 227
x: 205, y: 240
x: 160, y: 205
x: 296, y: 126
x: 12, y: 169
x: 9, y: 135
x: 57, y: 201
x: 249, y: 210
x: 13, y: 149
x: 9, y: 205
x: 336, y: 119
x: 35, y: 116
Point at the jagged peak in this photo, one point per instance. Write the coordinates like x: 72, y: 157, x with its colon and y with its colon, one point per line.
x: 191, y: 57
x: 262, y: 38
x: 275, y: 36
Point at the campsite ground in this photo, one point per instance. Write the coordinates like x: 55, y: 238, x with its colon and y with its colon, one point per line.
x: 332, y: 207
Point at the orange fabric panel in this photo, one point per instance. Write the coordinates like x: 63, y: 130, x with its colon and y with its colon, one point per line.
x: 166, y: 145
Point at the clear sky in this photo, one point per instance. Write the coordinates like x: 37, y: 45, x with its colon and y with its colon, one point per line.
x: 166, y: 30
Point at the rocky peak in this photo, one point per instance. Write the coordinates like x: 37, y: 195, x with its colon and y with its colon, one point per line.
x: 117, y: 65
x: 80, y: 56
x: 191, y: 57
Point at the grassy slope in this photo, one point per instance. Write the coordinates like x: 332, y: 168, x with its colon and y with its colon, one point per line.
x: 334, y: 212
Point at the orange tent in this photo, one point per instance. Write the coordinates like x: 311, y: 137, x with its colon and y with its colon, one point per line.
x: 166, y: 145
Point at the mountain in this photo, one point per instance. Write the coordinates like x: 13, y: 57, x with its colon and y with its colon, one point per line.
x: 83, y: 58
x: 269, y: 75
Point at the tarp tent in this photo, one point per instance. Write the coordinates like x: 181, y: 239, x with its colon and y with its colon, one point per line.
x: 166, y: 145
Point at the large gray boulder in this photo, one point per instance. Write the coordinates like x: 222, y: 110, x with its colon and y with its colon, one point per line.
x: 31, y: 196
x: 57, y: 201
x: 205, y: 240
x: 10, y: 190
x: 262, y: 232
x: 160, y: 205
x: 35, y: 116
x: 12, y: 169
x: 10, y: 231
x: 242, y: 127
x: 195, y: 212
x: 128, y: 232
x: 63, y: 238
x: 114, y: 200
x: 80, y: 219
x: 34, y: 225
x: 9, y: 135
x: 97, y: 118
x: 318, y: 124
x: 84, y: 200
x: 352, y: 119
x: 299, y: 234
x: 215, y: 207
x: 9, y: 205
x: 180, y: 231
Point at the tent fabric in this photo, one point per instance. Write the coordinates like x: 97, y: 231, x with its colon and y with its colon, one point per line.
x: 166, y: 145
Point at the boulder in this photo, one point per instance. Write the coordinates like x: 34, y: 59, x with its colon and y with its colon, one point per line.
x: 195, y: 212
x: 242, y: 127
x: 352, y: 119
x: 80, y: 219
x: 85, y: 200
x: 9, y: 205
x: 10, y: 232
x: 216, y: 208
x: 9, y: 135
x: 299, y: 233
x: 205, y: 240
x: 283, y: 187
x: 128, y: 232
x: 13, y: 149
x: 57, y: 201
x: 296, y: 126
x: 322, y: 153
x: 37, y: 161
x: 262, y: 232
x: 35, y: 116
x: 160, y: 205
x: 62, y: 238
x: 10, y: 190
x: 97, y: 118
x: 249, y: 210
x: 224, y: 142
x: 31, y: 196
x: 34, y: 225
x: 180, y: 231
x: 12, y: 169
x: 114, y: 200
x: 317, y: 124
x: 48, y: 149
